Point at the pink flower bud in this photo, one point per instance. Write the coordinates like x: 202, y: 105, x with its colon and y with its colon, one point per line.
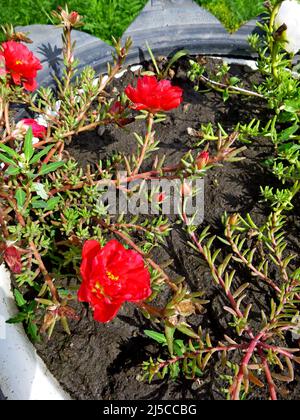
x: 73, y: 18
x: 159, y: 197
x: 202, y: 160
x: 186, y: 189
x: 116, y: 108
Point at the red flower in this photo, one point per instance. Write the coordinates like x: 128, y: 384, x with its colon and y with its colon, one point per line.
x: 12, y: 257
x: 112, y: 275
x: 154, y: 96
x: 37, y: 129
x: 20, y: 64
x: 202, y: 160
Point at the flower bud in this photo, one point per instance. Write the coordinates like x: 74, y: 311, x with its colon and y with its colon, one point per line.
x: 233, y: 219
x: 74, y: 18
x: 164, y: 228
x: 186, y: 189
x: 117, y: 108
x: 202, y: 160
x: 159, y: 197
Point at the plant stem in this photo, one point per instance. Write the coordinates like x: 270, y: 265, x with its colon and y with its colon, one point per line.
x: 150, y: 121
x: 281, y: 351
x: 236, y: 387
x: 274, y: 45
x: 52, y: 152
x: 158, y: 313
x: 45, y: 273
x: 135, y: 227
x: 215, y: 271
x: 3, y: 224
x: 271, y: 385
x: 274, y: 54
x: 248, y: 264
x: 104, y: 182
x: 202, y: 351
x: 6, y: 118
x: 68, y: 56
x: 235, y: 89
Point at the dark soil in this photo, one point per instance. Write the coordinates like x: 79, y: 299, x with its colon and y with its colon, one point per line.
x: 104, y: 361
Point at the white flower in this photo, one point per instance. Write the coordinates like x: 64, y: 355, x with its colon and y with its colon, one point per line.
x: 44, y: 119
x: 289, y: 14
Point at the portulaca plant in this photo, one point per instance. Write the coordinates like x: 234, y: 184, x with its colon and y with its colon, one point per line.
x: 53, y: 227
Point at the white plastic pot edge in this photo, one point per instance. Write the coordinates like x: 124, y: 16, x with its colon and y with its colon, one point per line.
x: 23, y: 374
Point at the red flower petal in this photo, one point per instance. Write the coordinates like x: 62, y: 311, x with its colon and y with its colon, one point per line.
x: 112, y: 275
x: 16, y: 78
x: 105, y: 312
x: 153, y: 95
x: 89, y: 252
x: 37, y: 129
x: 21, y: 64
x: 30, y: 85
x: 131, y: 93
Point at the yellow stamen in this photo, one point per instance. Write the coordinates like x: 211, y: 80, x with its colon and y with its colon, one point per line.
x: 97, y: 288
x: 19, y: 62
x: 112, y: 277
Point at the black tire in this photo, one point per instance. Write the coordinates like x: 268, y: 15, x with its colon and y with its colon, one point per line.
x: 167, y: 25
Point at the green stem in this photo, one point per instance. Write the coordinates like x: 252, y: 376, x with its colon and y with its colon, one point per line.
x: 274, y: 56
x: 150, y: 121
x: 220, y: 87
x: 274, y: 45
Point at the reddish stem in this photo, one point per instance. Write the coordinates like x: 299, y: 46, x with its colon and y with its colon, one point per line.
x: 150, y: 121
x: 282, y: 351
x: 248, y: 264
x: 271, y: 385
x: 52, y: 152
x: 3, y: 224
x: 146, y: 175
x: 158, y: 313
x: 236, y: 388
x: 203, y: 351
x: 45, y: 273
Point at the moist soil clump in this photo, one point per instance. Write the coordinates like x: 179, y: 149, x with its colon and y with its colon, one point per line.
x: 103, y: 361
